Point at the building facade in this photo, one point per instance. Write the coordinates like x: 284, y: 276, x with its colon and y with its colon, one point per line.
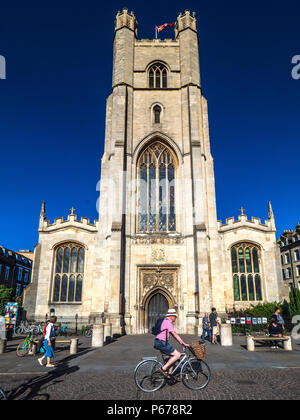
x: 158, y: 243
x: 289, y: 244
x: 15, y: 270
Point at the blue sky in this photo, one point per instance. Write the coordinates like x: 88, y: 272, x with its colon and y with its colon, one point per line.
x: 59, y: 64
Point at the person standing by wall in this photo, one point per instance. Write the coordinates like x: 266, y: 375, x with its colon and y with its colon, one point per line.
x: 49, y: 353
x: 206, y: 328
x: 214, y: 325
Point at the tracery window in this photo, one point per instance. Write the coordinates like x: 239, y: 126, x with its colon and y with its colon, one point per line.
x: 156, y: 174
x: 68, y: 275
x: 246, y: 272
x: 158, y: 76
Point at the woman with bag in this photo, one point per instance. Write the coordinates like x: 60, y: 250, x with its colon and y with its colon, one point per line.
x: 49, y: 353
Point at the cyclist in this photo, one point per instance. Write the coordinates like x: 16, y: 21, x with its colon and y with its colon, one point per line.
x: 161, y: 341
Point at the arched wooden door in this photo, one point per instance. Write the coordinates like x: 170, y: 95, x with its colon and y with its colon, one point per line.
x: 157, y: 308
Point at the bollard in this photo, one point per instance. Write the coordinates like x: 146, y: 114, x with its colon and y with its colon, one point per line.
x: 74, y: 346
x: 3, y: 342
x: 250, y: 343
x: 108, y: 332
x: 98, y: 336
x: 287, y: 344
x: 226, y: 335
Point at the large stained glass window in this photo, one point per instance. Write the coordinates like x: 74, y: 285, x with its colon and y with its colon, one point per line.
x: 246, y: 272
x: 156, y: 173
x: 68, y: 276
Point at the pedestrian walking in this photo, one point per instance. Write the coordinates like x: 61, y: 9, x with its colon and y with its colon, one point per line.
x: 206, y: 328
x: 49, y: 352
x: 214, y: 325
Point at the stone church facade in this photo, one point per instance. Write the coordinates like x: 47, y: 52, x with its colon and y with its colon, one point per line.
x: 158, y: 242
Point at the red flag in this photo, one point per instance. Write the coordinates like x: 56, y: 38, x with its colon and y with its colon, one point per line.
x: 161, y: 27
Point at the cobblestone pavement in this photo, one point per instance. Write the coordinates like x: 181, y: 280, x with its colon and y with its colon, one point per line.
x: 224, y: 385
x: 107, y: 374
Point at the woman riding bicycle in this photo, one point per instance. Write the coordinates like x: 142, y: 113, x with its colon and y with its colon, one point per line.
x: 161, y: 341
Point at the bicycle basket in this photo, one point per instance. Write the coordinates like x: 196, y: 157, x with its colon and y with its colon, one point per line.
x: 198, y: 350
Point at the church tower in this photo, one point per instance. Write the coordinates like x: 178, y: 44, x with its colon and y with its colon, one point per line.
x: 157, y: 198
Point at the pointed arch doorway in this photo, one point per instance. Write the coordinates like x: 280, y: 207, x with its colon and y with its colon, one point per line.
x: 157, y: 308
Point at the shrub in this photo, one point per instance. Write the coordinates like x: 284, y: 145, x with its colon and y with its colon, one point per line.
x: 6, y: 295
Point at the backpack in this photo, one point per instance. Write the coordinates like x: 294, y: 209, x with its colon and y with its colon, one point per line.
x: 157, y: 327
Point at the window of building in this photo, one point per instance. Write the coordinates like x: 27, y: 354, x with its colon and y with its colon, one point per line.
x: 289, y: 272
x: 18, y: 289
x: 7, y: 272
x: 156, y: 173
x: 26, y: 277
x: 287, y: 258
x: 297, y: 255
x: 246, y: 272
x: 158, y: 76
x: 283, y: 274
x: 298, y: 270
x: 282, y: 262
x: 157, y: 112
x: 20, y: 274
x: 69, y: 272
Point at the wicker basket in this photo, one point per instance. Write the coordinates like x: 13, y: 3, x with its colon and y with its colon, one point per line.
x: 198, y: 350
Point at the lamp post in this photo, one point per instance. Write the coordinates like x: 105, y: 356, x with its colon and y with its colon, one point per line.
x: 76, y: 319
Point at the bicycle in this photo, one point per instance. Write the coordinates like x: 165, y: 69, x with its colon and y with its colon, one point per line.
x: 23, y: 329
x: 88, y: 331
x: 62, y: 330
x: 2, y: 395
x: 26, y: 345
x: 194, y: 373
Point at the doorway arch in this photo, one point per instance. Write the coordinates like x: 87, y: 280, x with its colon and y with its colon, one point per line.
x: 157, y: 308
x: 159, y: 301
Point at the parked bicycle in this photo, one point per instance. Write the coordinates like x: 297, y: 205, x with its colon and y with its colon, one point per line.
x: 2, y: 395
x: 62, y: 330
x: 88, y: 332
x: 194, y: 373
x: 25, y: 345
x: 22, y: 328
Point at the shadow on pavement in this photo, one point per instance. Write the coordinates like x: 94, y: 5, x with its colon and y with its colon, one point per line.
x: 32, y: 388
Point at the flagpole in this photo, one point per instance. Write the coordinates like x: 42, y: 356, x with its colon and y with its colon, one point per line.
x: 155, y: 32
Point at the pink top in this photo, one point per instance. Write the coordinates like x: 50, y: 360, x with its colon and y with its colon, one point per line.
x: 167, y: 324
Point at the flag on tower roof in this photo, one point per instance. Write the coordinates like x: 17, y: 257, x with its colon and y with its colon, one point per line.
x: 161, y: 27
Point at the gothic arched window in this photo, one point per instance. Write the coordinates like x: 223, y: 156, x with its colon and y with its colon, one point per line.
x: 158, y: 76
x: 156, y: 173
x: 246, y: 272
x: 68, y: 273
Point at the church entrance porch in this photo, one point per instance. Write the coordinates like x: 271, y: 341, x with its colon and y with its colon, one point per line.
x: 158, y: 291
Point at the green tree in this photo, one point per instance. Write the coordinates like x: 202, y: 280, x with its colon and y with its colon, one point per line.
x: 294, y: 305
x: 6, y: 295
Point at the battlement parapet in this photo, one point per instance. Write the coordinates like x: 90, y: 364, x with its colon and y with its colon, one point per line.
x: 243, y: 221
x: 60, y: 223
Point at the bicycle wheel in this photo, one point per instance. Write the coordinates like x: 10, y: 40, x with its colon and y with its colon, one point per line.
x: 148, y: 377
x: 88, y: 333
x: 195, y: 374
x: 23, y: 348
x: 2, y: 395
